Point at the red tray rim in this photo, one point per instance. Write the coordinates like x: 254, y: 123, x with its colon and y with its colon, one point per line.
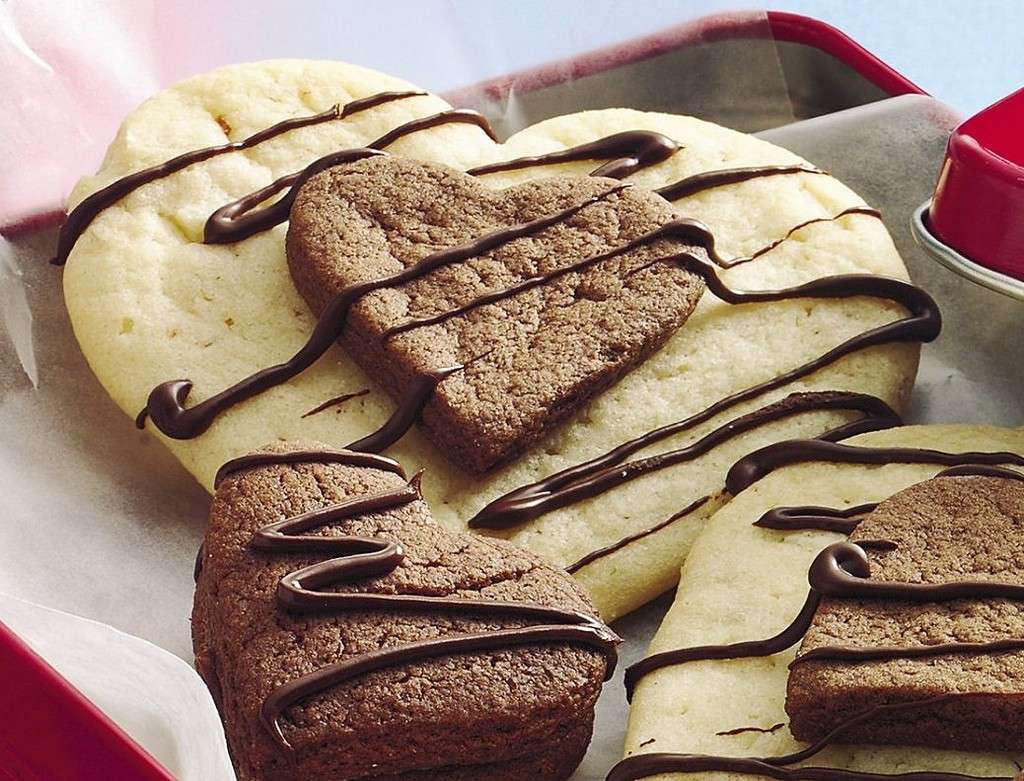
x: 28, y: 677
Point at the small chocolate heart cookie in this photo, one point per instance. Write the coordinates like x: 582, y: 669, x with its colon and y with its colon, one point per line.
x: 345, y: 634
x: 522, y: 287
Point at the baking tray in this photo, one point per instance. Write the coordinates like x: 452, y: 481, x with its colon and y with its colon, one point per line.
x: 128, y: 481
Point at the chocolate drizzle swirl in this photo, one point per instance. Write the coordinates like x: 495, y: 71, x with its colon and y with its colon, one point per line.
x: 166, y: 408
x: 347, y: 457
x: 980, y: 470
x: 241, y: 218
x: 923, y: 324
x: 708, y: 180
x: 605, y: 472
x: 809, y: 517
x: 409, y: 408
x: 741, y: 730
x: 83, y: 214
x: 850, y: 653
x: 309, y: 590
x: 644, y: 765
x: 844, y: 521
x: 696, y: 232
x: 843, y: 570
x: 732, y: 262
x: 683, y: 229
x: 752, y: 467
x: 626, y: 153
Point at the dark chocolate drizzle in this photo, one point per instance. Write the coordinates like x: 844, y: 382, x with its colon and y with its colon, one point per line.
x: 83, y: 214
x: 241, y: 218
x: 408, y: 410
x: 741, y: 730
x: 980, y: 470
x: 337, y: 401
x: 166, y: 402
x: 682, y: 229
x: 644, y: 765
x: 592, y: 477
x: 809, y: 517
x: 696, y: 232
x: 843, y: 570
x: 708, y: 180
x: 626, y: 153
x: 197, y: 568
x: 733, y: 262
x: 310, y: 590
x: 607, y: 550
x: 787, y: 638
x: 603, y: 473
x: 752, y: 467
x: 630, y: 152
x: 852, y: 653
x: 347, y: 457
x: 845, y: 521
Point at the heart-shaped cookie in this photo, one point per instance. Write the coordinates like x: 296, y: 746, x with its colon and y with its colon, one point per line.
x: 538, y: 333
x: 347, y: 635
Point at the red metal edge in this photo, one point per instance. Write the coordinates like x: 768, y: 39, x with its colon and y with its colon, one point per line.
x: 796, y: 28
x: 33, y: 222
x: 781, y: 25
x: 50, y: 730
x: 978, y: 207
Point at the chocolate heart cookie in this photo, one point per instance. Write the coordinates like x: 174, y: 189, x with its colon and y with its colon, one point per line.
x: 532, y: 290
x: 924, y: 610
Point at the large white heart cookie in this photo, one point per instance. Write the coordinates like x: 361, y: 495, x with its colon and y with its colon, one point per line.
x: 150, y: 303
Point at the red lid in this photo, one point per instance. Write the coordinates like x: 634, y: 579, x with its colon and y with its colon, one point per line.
x: 49, y: 730
x: 978, y: 208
